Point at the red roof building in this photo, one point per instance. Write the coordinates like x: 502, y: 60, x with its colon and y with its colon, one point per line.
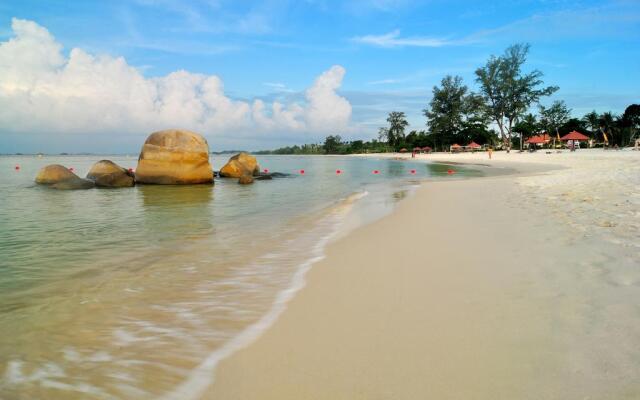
x: 536, y: 140
x: 574, y: 135
x: 474, y: 145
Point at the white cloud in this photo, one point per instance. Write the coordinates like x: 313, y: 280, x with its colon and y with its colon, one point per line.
x: 278, y: 87
x: 44, y: 91
x: 386, y: 81
x: 326, y: 108
x: 393, y: 39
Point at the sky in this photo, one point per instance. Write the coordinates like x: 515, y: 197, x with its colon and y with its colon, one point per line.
x: 98, y: 76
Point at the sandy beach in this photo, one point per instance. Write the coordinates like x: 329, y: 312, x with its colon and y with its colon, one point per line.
x: 521, y: 286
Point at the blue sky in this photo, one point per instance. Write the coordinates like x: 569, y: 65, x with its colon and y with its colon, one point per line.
x: 386, y: 55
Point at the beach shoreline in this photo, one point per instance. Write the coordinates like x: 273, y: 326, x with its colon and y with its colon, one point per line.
x: 464, y: 291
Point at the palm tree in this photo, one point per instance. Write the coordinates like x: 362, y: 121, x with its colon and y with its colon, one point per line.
x: 607, y: 123
x: 526, y: 128
x: 592, y: 120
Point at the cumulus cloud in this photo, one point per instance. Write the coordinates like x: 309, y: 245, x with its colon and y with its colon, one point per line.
x: 44, y: 91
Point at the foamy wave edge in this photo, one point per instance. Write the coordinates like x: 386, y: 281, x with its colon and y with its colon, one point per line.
x: 203, y: 376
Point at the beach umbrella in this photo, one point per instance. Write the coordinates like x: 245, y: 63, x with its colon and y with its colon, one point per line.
x: 417, y: 149
x: 574, y: 135
x: 427, y: 149
x: 474, y: 145
x: 455, y: 146
x: 403, y: 150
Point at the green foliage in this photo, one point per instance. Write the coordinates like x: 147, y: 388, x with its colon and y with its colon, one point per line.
x: 332, y: 144
x: 457, y: 115
x: 592, y: 121
x: 551, y: 118
x: 304, y: 149
x: 527, y: 127
x: 507, y: 91
x: 394, y: 134
x: 447, y: 110
x: 631, y: 116
x: 573, y: 124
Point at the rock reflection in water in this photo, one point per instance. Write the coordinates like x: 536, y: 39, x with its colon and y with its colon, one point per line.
x: 183, y: 208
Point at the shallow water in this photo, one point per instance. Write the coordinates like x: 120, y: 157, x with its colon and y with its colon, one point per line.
x: 137, y: 292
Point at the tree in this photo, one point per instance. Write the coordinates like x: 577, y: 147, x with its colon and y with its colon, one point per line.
x: 553, y: 117
x: 527, y: 127
x: 592, y: 120
x: 607, y: 124
x: 383, y: 135
x: 453, y: 113
x: 508, y: 92
x: 445, y: 112
x: 631, y: 116
x: 572, y: 124
x: 631, y: 121
x: 395, y: 133
x: 412, y: 138
x: 332, y: 144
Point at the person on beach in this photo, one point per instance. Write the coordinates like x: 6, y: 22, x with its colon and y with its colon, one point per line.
x: 489, y: 151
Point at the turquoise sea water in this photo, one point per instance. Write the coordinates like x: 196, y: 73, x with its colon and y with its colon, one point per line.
x: 138, y: 292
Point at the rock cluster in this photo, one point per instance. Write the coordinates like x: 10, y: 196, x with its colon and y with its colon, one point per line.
x: 169, y: 157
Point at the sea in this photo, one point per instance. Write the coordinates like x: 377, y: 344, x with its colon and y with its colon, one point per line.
x: 140, y: 292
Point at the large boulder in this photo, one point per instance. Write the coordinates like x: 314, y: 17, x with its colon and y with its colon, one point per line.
x: 59, y: 177
x: 239, y: 165
x: 174, y: 157
x: 106, y: 173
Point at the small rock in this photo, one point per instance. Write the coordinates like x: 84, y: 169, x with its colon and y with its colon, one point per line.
x: 239, y: 165
x: 245, y: 180
x: 106, y: 173
x: 59, y: 177
x: 279, y: 175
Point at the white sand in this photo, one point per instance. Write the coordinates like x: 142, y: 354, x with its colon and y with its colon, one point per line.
x: 514, y: 287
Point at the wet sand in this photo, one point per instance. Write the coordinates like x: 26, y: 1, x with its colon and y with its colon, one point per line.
x: 505, y: 287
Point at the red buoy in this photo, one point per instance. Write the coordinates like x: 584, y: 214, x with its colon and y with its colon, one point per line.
x: 338, y: 171
x: 450, y: 171
x: 413, y: 171
x: 17, y: 167
x: 376, y: 172
x: 71, y: 169
x: 266, y: 171
x: 301, y: 172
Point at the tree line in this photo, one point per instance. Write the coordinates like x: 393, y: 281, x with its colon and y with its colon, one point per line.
x: 498, y: 114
